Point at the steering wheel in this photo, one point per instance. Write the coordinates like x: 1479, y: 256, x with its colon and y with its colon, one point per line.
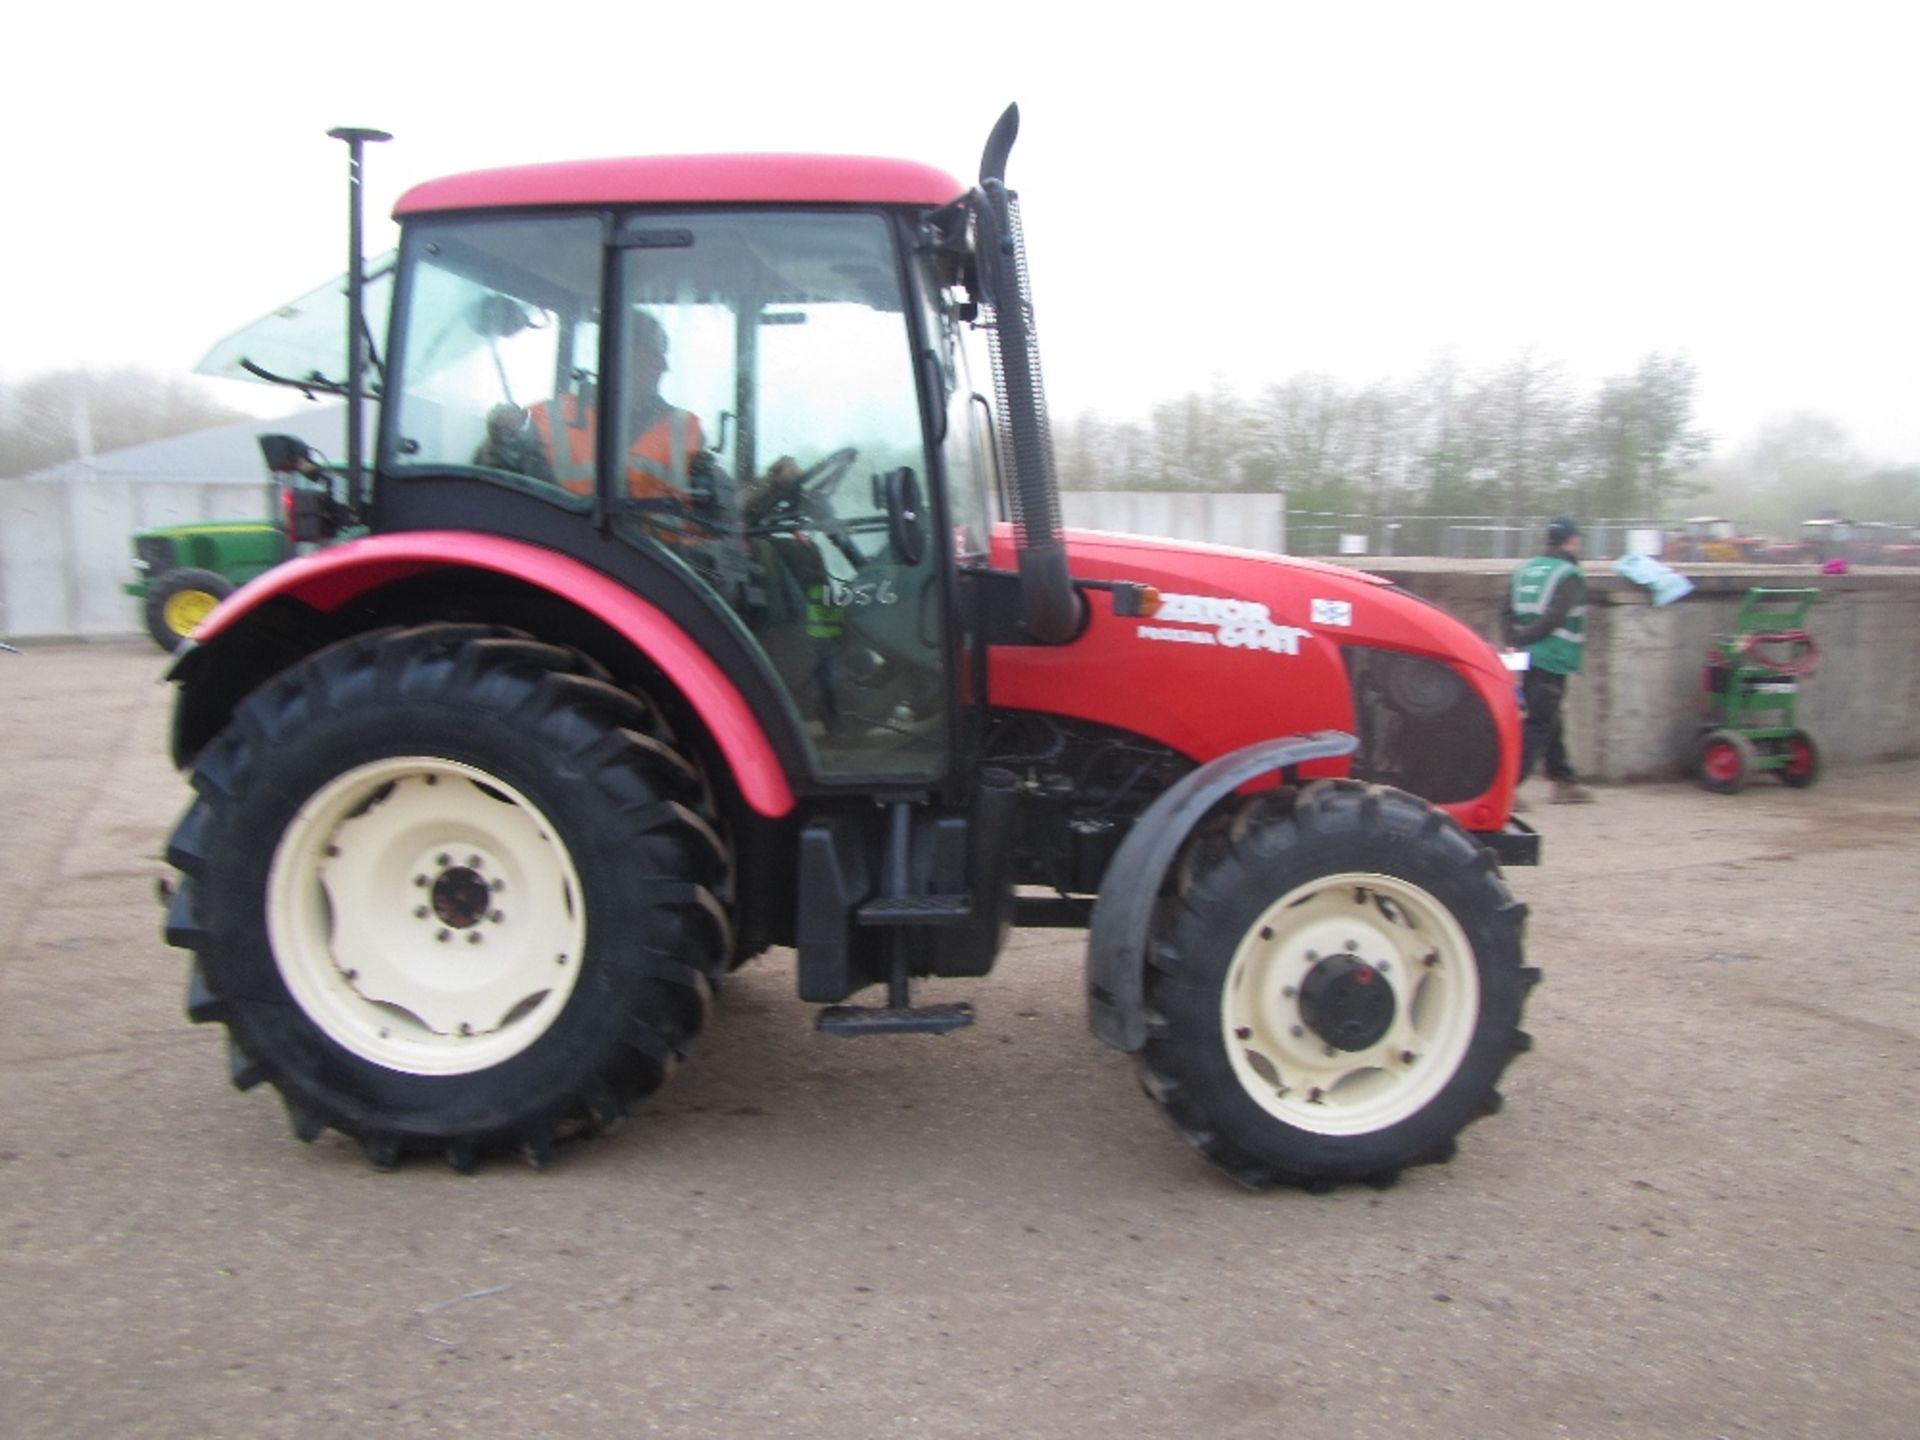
x: 802, y: 501
x: 822, y: 478
x: 806, y: 490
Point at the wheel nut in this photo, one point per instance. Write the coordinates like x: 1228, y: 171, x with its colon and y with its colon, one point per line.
x: 421, y: 881
x: 443, y: 860
x: 1384, y: 966
x: 1329, y: 1051
x: 1407, y: 1057
x: 473, y: 862
x: 444, y: 936
x: 498, y: 917
x: 1242, y: 1032
x: 1312, y: 955
x: 474, y: 937
x: 1287, y: 992
x: 420, y: 912
x: 1298, y: 1031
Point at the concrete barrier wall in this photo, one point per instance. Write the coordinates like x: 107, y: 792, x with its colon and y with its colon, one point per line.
x: 1635, y: 713
x: 65, y: 546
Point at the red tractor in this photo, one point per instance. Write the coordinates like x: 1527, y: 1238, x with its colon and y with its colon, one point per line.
x: 618, y: 691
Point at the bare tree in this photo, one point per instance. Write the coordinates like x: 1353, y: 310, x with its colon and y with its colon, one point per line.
x: 65, y: 414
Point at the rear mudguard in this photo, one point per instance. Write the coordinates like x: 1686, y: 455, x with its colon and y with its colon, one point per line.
x: 1117, y: 938
x: 332, y: 579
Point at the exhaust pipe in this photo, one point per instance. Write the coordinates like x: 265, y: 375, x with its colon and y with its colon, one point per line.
x: 1051, y: 608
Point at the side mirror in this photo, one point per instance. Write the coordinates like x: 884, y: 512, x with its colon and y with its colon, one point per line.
x: 309, y: 512
x: 906, y: 516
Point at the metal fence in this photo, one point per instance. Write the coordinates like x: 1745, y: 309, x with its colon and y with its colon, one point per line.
x: 1459, y: 537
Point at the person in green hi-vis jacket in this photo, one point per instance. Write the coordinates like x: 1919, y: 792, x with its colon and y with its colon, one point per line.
x: 1546, y: 615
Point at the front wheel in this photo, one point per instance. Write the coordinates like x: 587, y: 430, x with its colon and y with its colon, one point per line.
x: 1725, y: 761
x: 178, y: 600
x: 451, y: 891
x: 1335, y: 986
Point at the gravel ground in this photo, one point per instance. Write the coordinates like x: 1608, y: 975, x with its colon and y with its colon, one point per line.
x: 1696, y: 1217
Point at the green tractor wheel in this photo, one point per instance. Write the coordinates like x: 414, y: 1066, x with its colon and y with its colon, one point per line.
x: 178, y: 600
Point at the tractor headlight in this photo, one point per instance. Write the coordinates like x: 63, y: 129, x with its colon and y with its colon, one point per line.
x: 1422, y: 727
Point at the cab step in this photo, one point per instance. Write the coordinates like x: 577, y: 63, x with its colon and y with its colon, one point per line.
x: 853, y: 1020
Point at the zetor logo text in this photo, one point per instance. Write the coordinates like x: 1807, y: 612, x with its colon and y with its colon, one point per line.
x: 1237, y: 624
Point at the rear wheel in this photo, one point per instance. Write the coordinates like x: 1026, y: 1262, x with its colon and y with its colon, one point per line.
x: 1335, y: 986
x: 1802, y: 765
x: 1726, y: 760
x: 178, y: 600
x: 449, y: 891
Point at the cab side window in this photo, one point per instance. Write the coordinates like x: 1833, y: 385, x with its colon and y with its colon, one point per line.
x: 500, y: 350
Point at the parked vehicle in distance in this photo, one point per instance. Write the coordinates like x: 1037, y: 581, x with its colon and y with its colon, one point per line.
x: 183, y: 571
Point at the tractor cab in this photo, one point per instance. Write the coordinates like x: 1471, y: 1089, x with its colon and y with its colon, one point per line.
x: 726, y: 403
x: 761, y: 414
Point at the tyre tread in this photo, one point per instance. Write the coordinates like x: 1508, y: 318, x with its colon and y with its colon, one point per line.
x: 1265, y: 828
x: 661, y: 814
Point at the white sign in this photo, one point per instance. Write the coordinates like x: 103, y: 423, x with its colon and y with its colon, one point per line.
x: 1333, y: 612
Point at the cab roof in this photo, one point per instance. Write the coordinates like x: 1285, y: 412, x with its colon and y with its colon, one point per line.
x: 689, y: 180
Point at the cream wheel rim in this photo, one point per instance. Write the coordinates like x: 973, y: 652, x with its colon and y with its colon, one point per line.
x: 1326, y: 942
x: 426, y: 916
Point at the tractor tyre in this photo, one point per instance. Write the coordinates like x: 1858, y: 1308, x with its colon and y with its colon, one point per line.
x: 1803, y: 761
x: 449, y: 892
x: 1725, y: 761
x: 1334, y: 986
x: 178, y: 600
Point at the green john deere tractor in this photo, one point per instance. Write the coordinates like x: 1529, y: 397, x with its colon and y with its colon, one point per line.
x: 183, y: 571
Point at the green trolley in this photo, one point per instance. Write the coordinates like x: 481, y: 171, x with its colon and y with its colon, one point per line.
x: 1750, y: 688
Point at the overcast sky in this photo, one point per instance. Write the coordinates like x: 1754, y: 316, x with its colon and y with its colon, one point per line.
x: 1243, y: 192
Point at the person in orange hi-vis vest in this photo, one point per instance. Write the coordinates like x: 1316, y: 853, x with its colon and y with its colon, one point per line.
x: 667, y: 461
x: 665, y: 438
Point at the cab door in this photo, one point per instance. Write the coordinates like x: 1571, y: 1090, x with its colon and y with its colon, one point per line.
x: 769, y: 441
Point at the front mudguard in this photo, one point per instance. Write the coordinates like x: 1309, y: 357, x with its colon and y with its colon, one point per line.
x: 1117, y: 937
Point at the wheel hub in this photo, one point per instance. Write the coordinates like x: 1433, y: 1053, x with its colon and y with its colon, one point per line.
x: 1347, y: 1002
x: 461, y: 897
x: 187, y: 609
